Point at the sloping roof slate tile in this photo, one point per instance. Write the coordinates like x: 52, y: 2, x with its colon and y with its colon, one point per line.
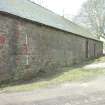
x: 27, y: 9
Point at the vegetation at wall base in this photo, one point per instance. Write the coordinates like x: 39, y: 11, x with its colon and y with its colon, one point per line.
x: 66, y: 74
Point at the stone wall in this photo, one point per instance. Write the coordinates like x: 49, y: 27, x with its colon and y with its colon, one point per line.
x: 7, y: 44
x: 28, y: 48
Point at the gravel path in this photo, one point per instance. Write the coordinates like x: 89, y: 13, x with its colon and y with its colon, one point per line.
x: 81, y: 93
x: 95, y: 66
x: 78, y: 93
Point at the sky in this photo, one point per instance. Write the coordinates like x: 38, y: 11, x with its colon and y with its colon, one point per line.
x: 68, y: 8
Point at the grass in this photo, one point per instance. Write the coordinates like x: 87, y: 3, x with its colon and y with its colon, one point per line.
x: 77, y: 73
x: 99, y: 60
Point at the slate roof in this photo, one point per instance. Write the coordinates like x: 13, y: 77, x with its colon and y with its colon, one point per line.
x: 29, y: 10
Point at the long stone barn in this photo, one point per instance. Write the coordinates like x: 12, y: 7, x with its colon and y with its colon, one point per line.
x: 34, y: 39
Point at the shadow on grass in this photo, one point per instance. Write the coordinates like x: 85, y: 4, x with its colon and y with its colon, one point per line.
x: 47, y: 76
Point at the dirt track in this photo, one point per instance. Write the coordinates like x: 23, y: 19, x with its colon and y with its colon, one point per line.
x: 75, y: 93
x: 82, y: 93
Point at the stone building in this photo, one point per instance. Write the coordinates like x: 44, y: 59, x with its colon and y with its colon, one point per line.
x: 34, y: 39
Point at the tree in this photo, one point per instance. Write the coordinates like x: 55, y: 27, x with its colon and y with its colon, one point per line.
x: 92, y: 16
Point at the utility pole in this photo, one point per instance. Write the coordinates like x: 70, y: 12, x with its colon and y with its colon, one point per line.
x: 63, y: 12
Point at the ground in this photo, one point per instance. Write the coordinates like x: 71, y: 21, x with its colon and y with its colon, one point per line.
x: 76, y: 90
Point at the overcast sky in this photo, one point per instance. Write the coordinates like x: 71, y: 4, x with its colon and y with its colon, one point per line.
x: 69, y: 8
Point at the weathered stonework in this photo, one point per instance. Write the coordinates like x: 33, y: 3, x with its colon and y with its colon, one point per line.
x: 32, y: 47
